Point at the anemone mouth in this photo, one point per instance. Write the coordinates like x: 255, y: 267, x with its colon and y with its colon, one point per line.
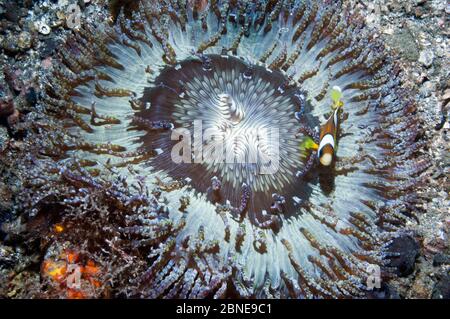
x: 241, y: 128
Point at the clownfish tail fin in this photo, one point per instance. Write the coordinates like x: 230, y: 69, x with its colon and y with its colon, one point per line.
x: 336, y: 96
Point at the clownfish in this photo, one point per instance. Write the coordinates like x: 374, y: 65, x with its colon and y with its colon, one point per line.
x: 328, y: 132
x: 327, y: 143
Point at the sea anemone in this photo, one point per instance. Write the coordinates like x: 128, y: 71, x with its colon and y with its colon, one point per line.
x: 121, y: 91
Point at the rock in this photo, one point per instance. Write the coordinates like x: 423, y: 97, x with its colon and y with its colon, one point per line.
x: 5, y: 197
x: 9, y: 44
x: 421, y: 288
x: 13, y: 118
x: 46, y: 63
x: 7, y: 256
x: 24, y: 40
x: 446, y: 95
x: 385, y: 292
x: 43, y: 28
x: 436, y: 242
x: 441, y: 259
x: 4, y: 138
x: 48, y: 47
x: 372, y: 18
x: 31, y: 96
x: 12, y: 11
x: 426, y: 58
x: 442, y: 288
x: 418, y: 77
x: 388, y: 30
x: 405, y: 43
x: 419, y: 12
x: 6, y: 102
x: 427, y: 89
x: 407, y: 249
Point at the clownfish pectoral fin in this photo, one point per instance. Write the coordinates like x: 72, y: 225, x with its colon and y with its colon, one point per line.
x: 309, y: 144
